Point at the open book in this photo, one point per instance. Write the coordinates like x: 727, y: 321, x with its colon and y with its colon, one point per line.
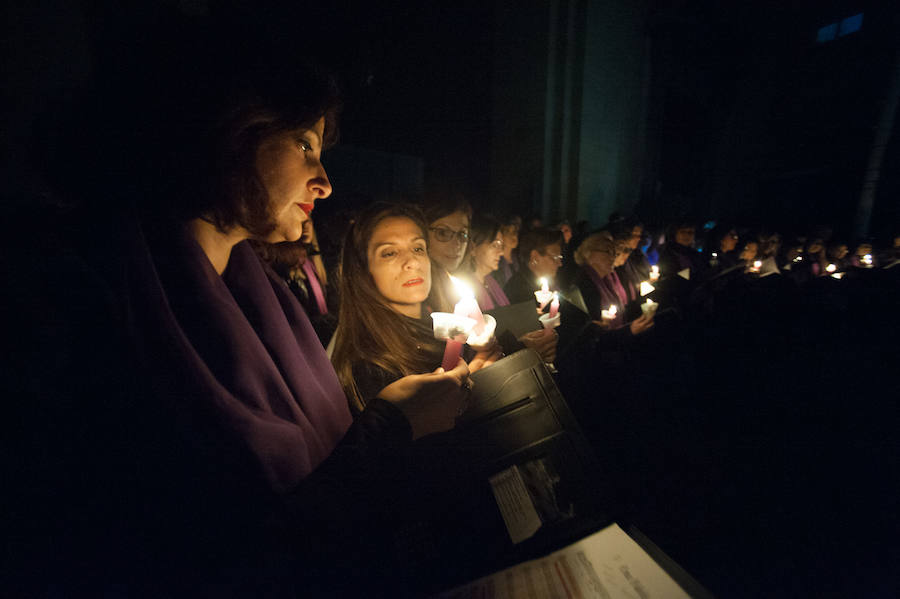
x: 607, y: 564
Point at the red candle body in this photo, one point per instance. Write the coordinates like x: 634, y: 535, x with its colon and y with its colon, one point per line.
x: 451, y: 354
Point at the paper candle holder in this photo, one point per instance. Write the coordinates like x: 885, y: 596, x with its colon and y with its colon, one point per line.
x: 453, y: 326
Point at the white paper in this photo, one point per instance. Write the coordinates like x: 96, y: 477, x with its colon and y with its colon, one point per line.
x: 608, y: 564
x: 685, y: 274
x: 516, y: 507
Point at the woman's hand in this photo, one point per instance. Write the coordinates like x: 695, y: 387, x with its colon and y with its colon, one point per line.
x: 431, y: 402
x: 640, y: 325
x: 485, y: 355
x: 543, y: 342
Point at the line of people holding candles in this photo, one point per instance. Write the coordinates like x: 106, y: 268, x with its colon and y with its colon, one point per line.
x: 184, y: 405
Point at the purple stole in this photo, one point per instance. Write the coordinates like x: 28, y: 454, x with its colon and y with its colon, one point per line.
x: 234, y: 357
x: 315, y: 285
x: 494, y: 294
x: 610, y: 295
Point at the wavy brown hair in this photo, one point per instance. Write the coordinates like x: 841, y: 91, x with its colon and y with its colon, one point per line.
x: 369, y: 330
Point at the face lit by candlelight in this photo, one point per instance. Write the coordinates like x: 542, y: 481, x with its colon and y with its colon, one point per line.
x: 487, y: 255
x: 601, y: 255
x: 398, y: 262
x: 447, y: 240
x: 547, y: 263
x: 290, y: 168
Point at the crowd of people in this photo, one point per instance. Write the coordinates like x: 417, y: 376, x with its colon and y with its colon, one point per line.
x: 216, y: 399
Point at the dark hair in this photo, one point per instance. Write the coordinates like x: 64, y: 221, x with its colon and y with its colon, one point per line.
x: 537, y: 239
x: 369, y: 330
x: 212, y: 168
x: 437, y: 205
x: 483, y: 229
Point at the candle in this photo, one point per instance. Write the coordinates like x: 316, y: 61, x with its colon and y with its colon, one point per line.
x: 867, y: 259
x: 554, y: 305
x: 467, y: 304
x: 646, y: 288
x: 757, y: 265
x: 831, y: 268
x: 838, y: 275
x: 456, y: 327
x: 649, y: 307
x: 609, y: 314
x: 654, y: 273
x: 543, y: 295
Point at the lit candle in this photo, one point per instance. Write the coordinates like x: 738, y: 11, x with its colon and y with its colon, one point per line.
x: 554, y: 305
x: 543, y: 295
x: 609, y: 314
x: 456, y: 327
x: 654, y: 273
x: 867, y: 259
x: 831, y: 268
x: 467, y: 304
x: 646, y: 288
x: 649, y: 307
x: 757, y: 265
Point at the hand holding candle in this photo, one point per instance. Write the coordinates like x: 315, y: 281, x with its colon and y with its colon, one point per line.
x: 551, y: 320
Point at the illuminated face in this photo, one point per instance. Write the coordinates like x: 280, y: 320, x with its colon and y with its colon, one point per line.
x: 729, y: 242
x: 750, y: 251
x: 623, y: 250
x: 635, y: 239
x: 601, y: 257
x: 399, y: 264
x: 447, y: 240
x: 546, y: 264
x: 510, y: 237
x: 290, y: 168
x: 487, y: 255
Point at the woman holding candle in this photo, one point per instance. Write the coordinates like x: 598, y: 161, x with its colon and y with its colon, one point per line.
x: 540, y: 256
x: 596, y: 256
x: 214, y: 429
x: 486, y: 249
x: 384, y: 330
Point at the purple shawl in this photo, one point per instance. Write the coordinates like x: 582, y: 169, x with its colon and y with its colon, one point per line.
x: 236, y: 359
x: 611, y: 293
x: 490, y: 295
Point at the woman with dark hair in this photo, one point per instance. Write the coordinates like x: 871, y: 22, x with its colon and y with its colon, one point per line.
x: 448, y: 217
x: 385, y: 331
x: 540, y: 256
x: 227, y: 434
x: 486, y: 247
x: 485, y: 250
x: 508, y: 263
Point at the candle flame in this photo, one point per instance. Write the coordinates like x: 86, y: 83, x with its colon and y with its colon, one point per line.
x: 545, y: 285
x: 612, y: 310
x: 462, y: 289
x: 757, y: 264
x: 831, y: 268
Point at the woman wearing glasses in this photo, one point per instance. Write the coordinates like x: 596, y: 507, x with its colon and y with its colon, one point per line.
x: 486, y: 248
x: 540, y: 256
x: 448, y: 219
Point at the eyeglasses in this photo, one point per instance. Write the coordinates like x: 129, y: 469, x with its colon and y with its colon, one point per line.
x: 556, y: 258
x: 444, y: 234
x: 497, y: 245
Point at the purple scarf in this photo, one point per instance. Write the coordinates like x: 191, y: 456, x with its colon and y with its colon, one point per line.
x: 490, y: 295
x: 610, y: 294
x: 235, y: 358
